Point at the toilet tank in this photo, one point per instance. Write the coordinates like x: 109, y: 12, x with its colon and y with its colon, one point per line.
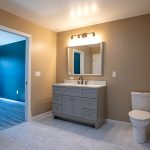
x: 140, y: 101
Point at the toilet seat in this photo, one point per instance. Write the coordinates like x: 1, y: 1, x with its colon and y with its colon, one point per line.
x: 139, y: 114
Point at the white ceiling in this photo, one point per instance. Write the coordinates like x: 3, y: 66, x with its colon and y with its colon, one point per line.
x: 7, y: 38
x: 61, y: 15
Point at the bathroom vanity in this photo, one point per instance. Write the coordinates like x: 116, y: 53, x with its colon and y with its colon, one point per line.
x: 80, y: 103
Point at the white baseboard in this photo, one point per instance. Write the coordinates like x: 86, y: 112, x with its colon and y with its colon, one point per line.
x: 117, y: 122
x: 42, y: 116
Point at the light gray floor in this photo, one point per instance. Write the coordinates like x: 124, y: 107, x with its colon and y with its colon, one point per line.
x: 50, y: 134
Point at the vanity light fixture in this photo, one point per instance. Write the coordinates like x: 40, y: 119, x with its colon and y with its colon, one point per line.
x: 78, y: 35
x: 83, y: 35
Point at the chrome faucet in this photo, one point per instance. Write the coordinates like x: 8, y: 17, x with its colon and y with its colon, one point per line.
x: 81, y: 80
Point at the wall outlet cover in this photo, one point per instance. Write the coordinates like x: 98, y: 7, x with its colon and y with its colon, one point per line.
x: 17, y: 92
x: 37, y: 73
x: 114, y: 74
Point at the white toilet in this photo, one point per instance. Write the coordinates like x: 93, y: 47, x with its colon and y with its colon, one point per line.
x: 140, y: 116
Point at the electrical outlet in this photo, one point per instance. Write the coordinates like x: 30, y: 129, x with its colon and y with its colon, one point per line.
x: 114, y: 74
x: 37, y: 73
x: 17, y: 92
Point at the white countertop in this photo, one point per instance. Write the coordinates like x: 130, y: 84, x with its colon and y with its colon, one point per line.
x: 79, y: 85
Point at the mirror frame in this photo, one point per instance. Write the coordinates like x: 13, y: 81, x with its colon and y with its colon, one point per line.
x: 101, y: 60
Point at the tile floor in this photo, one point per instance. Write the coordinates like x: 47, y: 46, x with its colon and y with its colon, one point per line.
x: 54, y: 134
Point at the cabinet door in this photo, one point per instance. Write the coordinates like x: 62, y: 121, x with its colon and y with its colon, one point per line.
x: 77, y: 107
x: 67, y: 106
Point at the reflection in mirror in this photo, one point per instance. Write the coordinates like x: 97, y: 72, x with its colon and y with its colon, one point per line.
x: 85, y: 60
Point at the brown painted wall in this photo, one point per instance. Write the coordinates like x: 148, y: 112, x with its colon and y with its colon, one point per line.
x: 43, y: 59
x: 127, y: 50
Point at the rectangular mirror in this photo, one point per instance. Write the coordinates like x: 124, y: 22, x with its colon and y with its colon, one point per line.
x: 85, y: 60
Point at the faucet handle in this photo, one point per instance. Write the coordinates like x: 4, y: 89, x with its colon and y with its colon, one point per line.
x: 86, y: 82
x: 78, y: 81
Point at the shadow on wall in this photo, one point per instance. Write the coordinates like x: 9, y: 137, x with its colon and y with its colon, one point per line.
x: 12, y: 71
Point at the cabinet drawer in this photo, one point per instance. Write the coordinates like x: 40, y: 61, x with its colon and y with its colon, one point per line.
x: 57, y: 108
x: 57, y: 90
x: 90, y: 103
x: 90, y: 93
x: 90, y: 115
x: 72, y: 91
x: 57, y: 99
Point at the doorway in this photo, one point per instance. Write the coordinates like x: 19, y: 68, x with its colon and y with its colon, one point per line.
x: 15, y: 71
x: 78, y: 62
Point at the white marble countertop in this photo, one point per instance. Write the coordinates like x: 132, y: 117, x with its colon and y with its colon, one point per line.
x: 89, y: 85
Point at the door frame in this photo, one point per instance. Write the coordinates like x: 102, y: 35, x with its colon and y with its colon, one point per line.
x: 27, y: 69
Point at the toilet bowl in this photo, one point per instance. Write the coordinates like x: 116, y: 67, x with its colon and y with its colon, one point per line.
x: 140, y: 121
x: 140, y: 116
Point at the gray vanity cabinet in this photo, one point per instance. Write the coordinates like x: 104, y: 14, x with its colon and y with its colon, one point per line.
x: 81, y: 104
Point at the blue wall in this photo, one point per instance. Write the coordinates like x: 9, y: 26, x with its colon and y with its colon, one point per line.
x: 77, y: 63
x: 12, y: 71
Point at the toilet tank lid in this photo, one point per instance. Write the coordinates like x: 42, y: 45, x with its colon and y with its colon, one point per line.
x: 140, y: 93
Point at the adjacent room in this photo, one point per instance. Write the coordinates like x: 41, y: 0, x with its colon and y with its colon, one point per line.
x: 74, y: 75
x: 12, y: 79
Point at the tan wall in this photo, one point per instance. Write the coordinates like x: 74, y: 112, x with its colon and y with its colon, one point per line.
x: 127, y: 50
x: 43, y: 59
